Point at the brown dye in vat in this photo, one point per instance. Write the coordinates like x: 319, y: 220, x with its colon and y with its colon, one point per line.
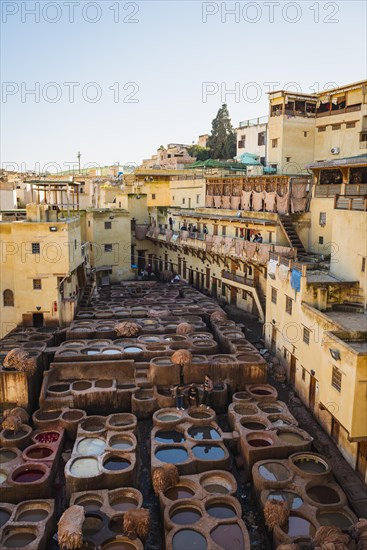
x: 220, y: 510
x: 116, y: 525
x: 19, y: 540
x: 290, y: 437
x: 6, y: 456
x: 91, y: 526
x: 39, y: 452
x: 124, y: 503
x: 90, y: 505
x: 259, y: 442
x: 118, y: 545
x: 260, y: 391
x: 185, y: 515
x: 228, y: 536
x: 58, y: 388
x: 188, y: 538
x: 216, y: 489
x: 253, y: 425
x: 178, y: 492
x: 335, y: 518
x: 33, y: 515
x: 14, y: 435
x: 323, y: 495
x: 72, y: 416
x: 48, y: 415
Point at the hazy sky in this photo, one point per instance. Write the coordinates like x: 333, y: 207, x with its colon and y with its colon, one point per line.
x: 117, y: 79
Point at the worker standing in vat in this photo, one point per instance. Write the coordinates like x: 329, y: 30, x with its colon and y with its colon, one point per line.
x: 177, y: 393
x: 208, y: 387
x: 193, y: 395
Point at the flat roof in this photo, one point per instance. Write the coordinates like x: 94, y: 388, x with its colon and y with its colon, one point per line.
x: 358, y: 159
x: 351, y: 322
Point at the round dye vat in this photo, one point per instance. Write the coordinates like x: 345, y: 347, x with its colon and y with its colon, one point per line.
x: 90, y: 505
x: 185, y: 515
x: 336, y: 519
x: 260, y: 391
x: 92, y: 425
x: 245, y: 410
x: 116, y: 544
x: 299, y: 527
x: 228, y: 536
x: 168, y: 417
x: 290, y: 437
x: 123, y: 503
x: 172, y: 455
x: 81, y: 386
x: 216, y: 489
x: 208, y: 452
x: 38, y: 453
x: 48, y: 415
x: 293, y: 500
x: 272, y: 471
x: 91, y: 526
x: 91, y: 446
x: 28, y: 475
x: 200, y: 415
x: 221, y: 510
x: 121, y: 420
x: 169, y: 436
x: 132, y: 349
x: 269, y: 408
x: 115, y: 463
x: 14, y: 435
x: 279, y: 422
x: 4, y: 517
x: 19, y: 540
x: 72, y: 416
x: 178, y: 492
x: 253, y: 425
x: 116, y: 525
x: 59, y: 388
x: 120, y: 443
x: 84, y: 467
x: 6, y: 456
x: 111, y: 351
x: 3, y: 477
x: 33, y: 515
x: 323, y: 494
x: 310, y: 464
x: 258, y: 441
x: 188, y: 538
x: 204, y: 432
x: 47, y: 437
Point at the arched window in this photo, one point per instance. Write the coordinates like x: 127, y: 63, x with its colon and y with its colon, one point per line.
x: 8, y: 297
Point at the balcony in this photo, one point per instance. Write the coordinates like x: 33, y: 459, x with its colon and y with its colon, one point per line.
x: 350, y: 202
x: 324, y: 191
x: 237, y: 278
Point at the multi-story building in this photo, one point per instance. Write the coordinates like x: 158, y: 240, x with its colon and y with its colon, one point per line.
x: 174, y: 157
x: 252, y: 138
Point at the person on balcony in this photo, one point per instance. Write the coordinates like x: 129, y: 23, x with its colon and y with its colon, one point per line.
x: 205, y: 229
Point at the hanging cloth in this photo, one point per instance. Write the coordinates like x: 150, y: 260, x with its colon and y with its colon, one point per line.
x: 235, y: 203
x: 250, y: 249
x: 245, y: 200
x: 226, y: 202
x: 299, y: 190
x: 184, y: 235
x: 169, y: 235
x: 270, y: 199
x: 217, y: 201
x: 283, y: 272
x: 257, y: 201
x: 272, y: 268
x: 263, y: 253
x: 282, y: 204
x: 296, y: 280
x: 209, y: 201
x: 239, y: 247
x: 298, y: 205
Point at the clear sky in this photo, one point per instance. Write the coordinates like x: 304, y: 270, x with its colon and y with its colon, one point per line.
x: 139, y: 70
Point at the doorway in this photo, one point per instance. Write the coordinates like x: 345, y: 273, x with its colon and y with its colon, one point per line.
x: 335, y: 428
x: 362, y: 459
x: 273, y: 344
x: 37, y: 320
x: 312, y: 393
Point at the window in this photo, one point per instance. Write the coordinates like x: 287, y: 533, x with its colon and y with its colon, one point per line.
x: 243, y: 137
x: 306, y: 335
x: 305, y: 134
x: 153, y: 196
x: 88, y: 223
x: 215, y: 229
x: 37, y: 284
x: 261, y: 138
x: 336, y: 379
x: 274, y: 143
x: 321, y: 240
x: 183, y: 200
x: 336, y: 126
x: 322, y: 219
x: 303, y: 373
x: 321, y: 129
x: 75, y: 244
x: 224, y: 230
x: 274, y: 295
x: 363, y: 136
x: 288, y: 305
x: 108, y: 225
x: 8, y: 298
x: 363, y: 267
x: 350, y: 125
x: 36, y: 248
x: 119, y: 204
x: 197, y: 199
x: 287, y: 159
x: 241, y: 144
x: 108, y: 247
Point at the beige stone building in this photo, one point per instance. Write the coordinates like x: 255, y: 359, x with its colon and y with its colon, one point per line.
x: 173, y: 157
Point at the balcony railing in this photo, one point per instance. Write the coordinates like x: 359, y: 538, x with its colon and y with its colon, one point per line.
x: 350, y: 109
x: 237, y: 278
x: 358, y: 189
x: 343, y: 202
x: 327, y: 190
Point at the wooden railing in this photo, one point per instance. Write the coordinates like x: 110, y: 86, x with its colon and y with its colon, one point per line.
x: 343, y: 202
x: 327, y: 190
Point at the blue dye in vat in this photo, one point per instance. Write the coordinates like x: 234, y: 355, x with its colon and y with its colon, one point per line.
x: 208, y: 452
x: 172, y: 455
x: 204, y: 432
x: 169, y: 436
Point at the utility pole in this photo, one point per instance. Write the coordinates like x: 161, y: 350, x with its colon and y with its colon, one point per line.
x: 78, y: 156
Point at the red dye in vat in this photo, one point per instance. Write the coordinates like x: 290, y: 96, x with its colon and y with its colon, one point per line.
x: 47, y: 437
x: 28, y: 475
x: 259, y: 443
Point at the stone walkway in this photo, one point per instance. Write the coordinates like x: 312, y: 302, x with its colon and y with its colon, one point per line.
x: 349, y: 480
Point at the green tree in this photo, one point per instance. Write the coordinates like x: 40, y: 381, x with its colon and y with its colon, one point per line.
x: 199, y: 152
x: 222, y: 140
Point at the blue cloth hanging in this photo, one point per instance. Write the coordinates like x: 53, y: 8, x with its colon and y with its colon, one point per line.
x: 296, y: 279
